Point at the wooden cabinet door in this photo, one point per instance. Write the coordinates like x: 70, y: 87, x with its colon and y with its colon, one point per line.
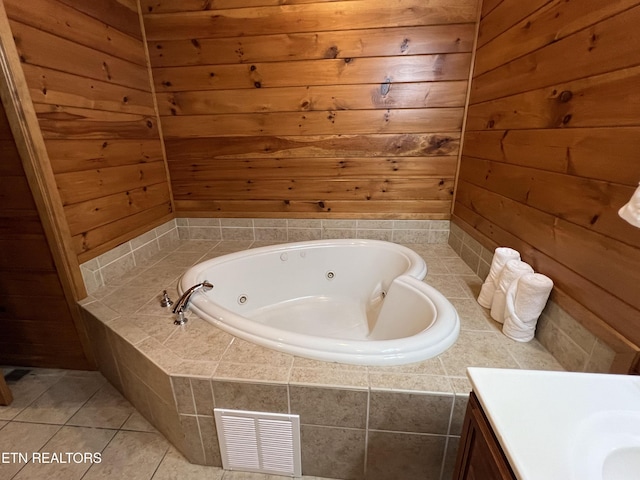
x: 480, y: 456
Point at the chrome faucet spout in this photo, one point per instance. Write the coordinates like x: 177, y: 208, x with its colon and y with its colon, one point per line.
x: 182, y: 304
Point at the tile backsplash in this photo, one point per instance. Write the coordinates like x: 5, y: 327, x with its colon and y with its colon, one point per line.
x: 294, y: 230
x: 117, y: 262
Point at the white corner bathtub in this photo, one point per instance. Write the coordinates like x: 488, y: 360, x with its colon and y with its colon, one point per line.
x: 360, y: 302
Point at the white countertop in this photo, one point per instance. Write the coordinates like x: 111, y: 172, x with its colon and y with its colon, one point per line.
x: 557, y: 425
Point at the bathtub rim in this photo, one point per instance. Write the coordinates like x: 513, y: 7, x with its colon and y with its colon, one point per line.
x: 417, y: 269
x: 441, y: 335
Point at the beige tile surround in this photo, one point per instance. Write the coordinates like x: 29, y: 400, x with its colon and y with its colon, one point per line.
x: 244, y: 231
x: 60, y: 412
x: 577, y: 349
x: 357, y: 422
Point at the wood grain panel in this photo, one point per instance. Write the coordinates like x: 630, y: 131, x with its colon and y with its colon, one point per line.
x: 503, y: 15
x: 113, y: 13
x: 604, y: 47
x: 30, y: 307
x: 84, y: 216
x: 302, y: 99
x: 566, y: 242
x: 10, y: 164
x: 68, y: 23
x: 45, y: 50
x: 28, y: 252
x: 599, y: 100
x: 553, y: 21
x: 580, y: 152
x: 22, y: 221
x: 581, y: 201
x: 313, y: 46
x: 169, y: 6
x: 594, y: 300
x: 315, y: 17
x: 374, y: 209
x: 52, y: 87
x: 419, y: 68
x: 44, y: 354
x: 330, y: 106
x: 102, y: 239
x: 316, y: 167
x: 15, y: 193
x: 303, y: 188
x: 488, y: 6
x: 347, y: 122
x: 47, y: 284
x: 339, y: 146
x: 84, y: 123
x: 86, y: 68
x: 550, y: 152
x: 85, y: 185
x: 75, y: 155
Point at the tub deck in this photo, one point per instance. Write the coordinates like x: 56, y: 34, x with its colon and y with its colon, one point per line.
x: 176, y: 375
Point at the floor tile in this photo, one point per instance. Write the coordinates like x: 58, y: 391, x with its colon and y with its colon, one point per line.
x: 106, y: 409
x: 21, y: 438
x: 228, y: 475
x: 60, y: 402
x: 136, y: 453
x: 82, y: 444
x: 25, y: 391
x: 175, y: 467
x: 138, y: 423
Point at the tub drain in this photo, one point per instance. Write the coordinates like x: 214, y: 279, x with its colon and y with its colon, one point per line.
x: 330, y: 275
x: 242, y: 299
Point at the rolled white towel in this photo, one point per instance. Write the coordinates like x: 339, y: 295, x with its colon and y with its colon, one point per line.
x: 512, y: 270
x: 525, y: 300
x: 501, y: 256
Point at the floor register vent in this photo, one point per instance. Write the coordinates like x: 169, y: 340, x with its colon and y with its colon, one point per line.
x: 259, y: 442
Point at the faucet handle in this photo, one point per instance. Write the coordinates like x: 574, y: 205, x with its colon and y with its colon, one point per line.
x: 180, y: 320
x: 166, y: 301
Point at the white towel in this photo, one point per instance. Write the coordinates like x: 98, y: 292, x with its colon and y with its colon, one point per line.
x: 512, y: 270
x: 501, y: 256
x: 526, y: 298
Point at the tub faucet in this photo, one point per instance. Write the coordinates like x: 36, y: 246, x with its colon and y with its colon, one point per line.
x: 182, y: 304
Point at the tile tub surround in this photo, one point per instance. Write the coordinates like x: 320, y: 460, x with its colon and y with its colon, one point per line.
x: 577, y: 349
x: 126, y: 257
x: 60, y: 411
x: 357, y: 422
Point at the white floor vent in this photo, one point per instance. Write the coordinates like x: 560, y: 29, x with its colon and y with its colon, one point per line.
x: 259, y: 442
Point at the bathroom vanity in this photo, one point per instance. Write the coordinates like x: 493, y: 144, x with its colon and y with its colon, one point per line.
x: 480, y: 455
x: 532, y: 425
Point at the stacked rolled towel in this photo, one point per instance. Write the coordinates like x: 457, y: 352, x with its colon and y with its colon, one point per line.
x: 512, y: 270
x: 525, y: 300
x: 500, y: 257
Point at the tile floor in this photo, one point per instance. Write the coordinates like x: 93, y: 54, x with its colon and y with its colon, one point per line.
x: 60, y: 420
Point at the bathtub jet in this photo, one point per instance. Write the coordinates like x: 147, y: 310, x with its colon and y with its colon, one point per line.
x: 359, y: 302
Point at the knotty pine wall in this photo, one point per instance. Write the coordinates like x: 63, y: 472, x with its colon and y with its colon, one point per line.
x: 86, y: 68
x: 311, y: 108
x: 33, y: 307
x: 552, y: 146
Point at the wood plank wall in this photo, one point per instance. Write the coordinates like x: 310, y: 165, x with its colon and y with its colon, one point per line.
x: 551, y: 148
x: 311, y: 108
x: 35, y: 320
x: 87, y: 71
